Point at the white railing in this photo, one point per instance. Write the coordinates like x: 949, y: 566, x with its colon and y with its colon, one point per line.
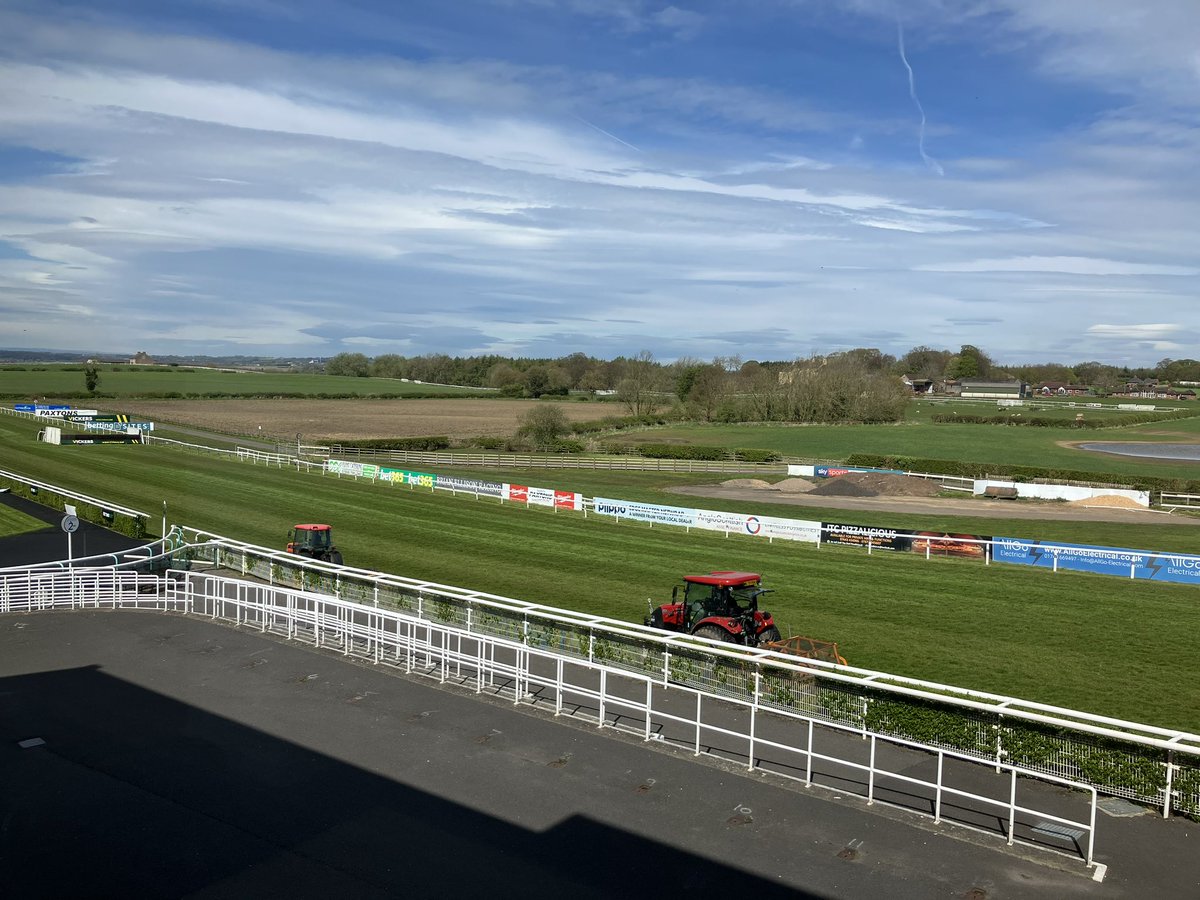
x: 82, y: 498
x: 655, y: 707
x: 1179, y: 501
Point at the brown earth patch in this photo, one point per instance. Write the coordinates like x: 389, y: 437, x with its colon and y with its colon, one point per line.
x: 876, y: 484
x: 334, y: 420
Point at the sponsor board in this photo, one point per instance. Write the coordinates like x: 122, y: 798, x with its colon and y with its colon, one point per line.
x: 835, y: 471
x: 117, y: 426
x: 1100, y: 560
x: 758, y: 526
x: 568, y: 500
x: 83, y: 415
x: 943, y: 543
x: 645, y: 512
x: 469, y: 485
x: 532, y: 496
x: 403, y: 476
x: 865, y: 535
x: 357, y: 469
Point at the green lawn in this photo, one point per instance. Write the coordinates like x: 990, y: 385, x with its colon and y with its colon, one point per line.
x: 1063, y: 638
x: 123, y: 381
x: 998, y: 444
x: 14, y: 522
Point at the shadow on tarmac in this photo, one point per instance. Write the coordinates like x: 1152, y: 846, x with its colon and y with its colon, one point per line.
x: 50, y: 543
x: 134, y: 794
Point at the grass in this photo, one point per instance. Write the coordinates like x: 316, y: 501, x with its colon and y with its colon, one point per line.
x: 1089, y: 642
x: 983, y: 444
x: 14, y: 522
x: 124, y: 381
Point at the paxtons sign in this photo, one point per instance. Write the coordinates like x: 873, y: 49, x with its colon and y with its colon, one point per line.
x: 1101, y: 560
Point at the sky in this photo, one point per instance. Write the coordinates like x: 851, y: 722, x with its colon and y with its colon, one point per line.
x: 762, y: 179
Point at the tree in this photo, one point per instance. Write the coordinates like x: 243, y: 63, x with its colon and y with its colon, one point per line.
x: 544, y: 426
x: 354, y: 364
x: 640, y: 382
x: 969, y: 362
x: 91, y: 378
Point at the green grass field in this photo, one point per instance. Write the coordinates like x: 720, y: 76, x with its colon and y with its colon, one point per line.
x: 997, y: 444
x: 14, y: 522
x: 1089, y: 642
x: 124, y: 381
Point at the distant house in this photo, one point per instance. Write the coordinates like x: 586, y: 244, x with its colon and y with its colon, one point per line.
x: 980, y: 389
x: 1061, y: 389
x: 918, y: 385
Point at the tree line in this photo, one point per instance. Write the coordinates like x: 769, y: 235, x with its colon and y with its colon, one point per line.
x: 859, y: 385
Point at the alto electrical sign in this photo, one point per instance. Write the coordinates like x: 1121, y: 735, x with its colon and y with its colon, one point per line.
x: 1137, y: 564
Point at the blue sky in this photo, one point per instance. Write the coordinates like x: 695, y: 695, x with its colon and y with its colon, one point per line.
x: 540, y: 177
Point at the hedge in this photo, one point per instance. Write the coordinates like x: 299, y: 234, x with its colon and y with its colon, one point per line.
x: 1123, y: 421
x: 427, y: 443
x: 130, y: 526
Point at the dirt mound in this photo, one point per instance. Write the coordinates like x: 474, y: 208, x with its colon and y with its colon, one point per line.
x: 746, y: 483
x: 794, y: 485
x: 877, y: 484
x: 1114, y: 500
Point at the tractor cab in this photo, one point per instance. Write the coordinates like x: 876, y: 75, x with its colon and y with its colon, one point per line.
x: 315, y: 541
x: 719, y: 605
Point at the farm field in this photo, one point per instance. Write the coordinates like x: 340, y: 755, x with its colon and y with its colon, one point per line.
x: 1106, y: 645
x: 997, y: 444
x: 127, y: 381
x: 334, y: 420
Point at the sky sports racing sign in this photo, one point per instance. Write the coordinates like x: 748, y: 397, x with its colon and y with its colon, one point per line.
x: 1139, y: 564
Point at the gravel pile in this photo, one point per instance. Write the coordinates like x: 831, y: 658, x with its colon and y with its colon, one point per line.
x: 746, y: 483
x: 1113, y: 500
x: 877, y: 484
x: 794, y: 485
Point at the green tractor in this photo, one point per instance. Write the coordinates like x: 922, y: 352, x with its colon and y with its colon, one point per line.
x: 315, y: 541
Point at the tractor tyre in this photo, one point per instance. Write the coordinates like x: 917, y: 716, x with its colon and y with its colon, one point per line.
x: 769, y: 634
x: 336, y: 558
x: 713, y: 633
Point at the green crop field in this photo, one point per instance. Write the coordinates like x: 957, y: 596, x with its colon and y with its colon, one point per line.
x: 131, y: 381
x: 1102, y: 644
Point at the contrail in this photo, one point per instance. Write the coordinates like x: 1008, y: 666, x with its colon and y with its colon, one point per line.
x: 607, y: 134
x: 912, y: 92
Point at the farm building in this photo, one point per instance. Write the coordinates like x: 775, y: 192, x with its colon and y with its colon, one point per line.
x: 980, y: 389
x: 1061, y: 389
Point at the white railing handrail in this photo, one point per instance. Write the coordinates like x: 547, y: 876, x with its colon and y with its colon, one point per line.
x: 979, y: 701
x: 74, y: 495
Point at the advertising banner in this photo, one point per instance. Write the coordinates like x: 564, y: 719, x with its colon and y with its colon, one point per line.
x: 645, y: 512
x: 116, y: 426
x: 1101, y: 560
x: 80, y: 415
x: 403, y: 476
x: 568, y: 500
x: 862, y: 535
x: 834, y: 471
x: 532, y: 496
x: 942, y: 543
x: 758, y: 526
x: 469, y: 485
x: 357, y: 469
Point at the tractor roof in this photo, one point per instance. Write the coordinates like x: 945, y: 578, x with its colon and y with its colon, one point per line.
x: 724, y: 579
x: 313, y: 527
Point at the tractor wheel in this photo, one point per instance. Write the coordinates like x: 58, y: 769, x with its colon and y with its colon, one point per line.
x: 336, y: 558
x: 769, y: 634
x: 713, y: 633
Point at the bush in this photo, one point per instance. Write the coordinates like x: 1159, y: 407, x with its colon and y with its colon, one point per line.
x: 677, y: 451
x: 749, y: 454
x: 422, y: 444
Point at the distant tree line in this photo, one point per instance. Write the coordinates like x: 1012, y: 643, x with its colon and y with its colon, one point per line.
x: 859, y: 385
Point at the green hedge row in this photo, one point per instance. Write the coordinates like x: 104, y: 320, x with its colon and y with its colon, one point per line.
x: 690, y: 452
x: 1122, y: 421
x: 426, y: 443
x: 131, y: 526
x: 1019, y: 473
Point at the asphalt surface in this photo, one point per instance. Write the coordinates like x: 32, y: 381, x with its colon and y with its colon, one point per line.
x: 50, y: 543
x: 186, y: 759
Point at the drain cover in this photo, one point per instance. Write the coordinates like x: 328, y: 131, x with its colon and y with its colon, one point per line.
x: 1115, y: 806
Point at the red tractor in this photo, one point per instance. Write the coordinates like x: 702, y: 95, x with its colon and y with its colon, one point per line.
x: 721, y: 606
x: 315, y: 541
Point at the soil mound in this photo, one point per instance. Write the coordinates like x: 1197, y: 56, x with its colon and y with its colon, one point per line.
x: 746, y: 483
x: 877, y: 484
x: 1114, y: 500
x: 794, y: 485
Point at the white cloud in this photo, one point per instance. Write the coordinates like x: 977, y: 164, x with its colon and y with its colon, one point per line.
x: 1067, y: 265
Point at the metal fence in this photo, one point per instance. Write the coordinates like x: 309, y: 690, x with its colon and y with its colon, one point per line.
x: 1148, y: 764
x: 731, y: 718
